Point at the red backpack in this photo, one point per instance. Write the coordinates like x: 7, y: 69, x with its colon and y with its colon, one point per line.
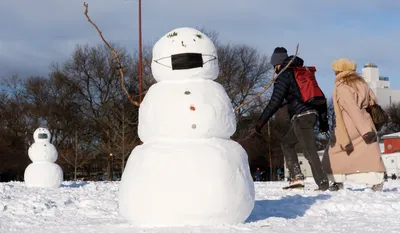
x: 310, y: 92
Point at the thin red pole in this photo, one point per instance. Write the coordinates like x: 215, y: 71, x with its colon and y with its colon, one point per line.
x: 140, y: 53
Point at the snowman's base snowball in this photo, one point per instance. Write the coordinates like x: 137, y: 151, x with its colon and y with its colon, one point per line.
x: 187, y: 182
x: 43, y: 175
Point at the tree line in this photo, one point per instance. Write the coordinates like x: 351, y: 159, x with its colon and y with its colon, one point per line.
x: 93, y: 124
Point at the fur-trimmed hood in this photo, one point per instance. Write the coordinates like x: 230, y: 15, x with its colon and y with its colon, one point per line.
x: 348, y: 77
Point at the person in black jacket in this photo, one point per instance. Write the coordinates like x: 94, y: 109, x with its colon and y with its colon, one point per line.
x: 303, y: 118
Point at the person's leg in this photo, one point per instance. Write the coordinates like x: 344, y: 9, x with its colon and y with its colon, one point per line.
x: 291, y: 160
x: 373, y: 179
x: 304, y: 130
x: 337, y: 181
x: 336, y: 186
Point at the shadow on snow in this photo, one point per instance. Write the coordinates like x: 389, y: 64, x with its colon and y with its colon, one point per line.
x: 288, y: 207
x: 77, y: 184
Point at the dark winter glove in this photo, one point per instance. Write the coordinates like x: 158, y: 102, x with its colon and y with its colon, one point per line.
x: 349, y: 148
x: 258, y: 128
x: 370, y: 137
x: 323, y: 123
x: 324, y: 127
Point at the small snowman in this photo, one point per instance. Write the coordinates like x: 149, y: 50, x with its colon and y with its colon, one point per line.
x: 188, y: 171
x: 43, y: 172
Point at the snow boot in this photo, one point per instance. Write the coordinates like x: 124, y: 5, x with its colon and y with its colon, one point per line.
x: 336, y: 186
x: 377, y: 187
x: 296, y: 183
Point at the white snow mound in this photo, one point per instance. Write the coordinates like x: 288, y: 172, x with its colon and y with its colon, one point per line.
x: 43, y: 174
x: 199, y: 182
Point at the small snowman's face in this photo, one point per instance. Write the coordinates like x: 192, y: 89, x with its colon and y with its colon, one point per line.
x: 41, y: 135
x: 184, y: 53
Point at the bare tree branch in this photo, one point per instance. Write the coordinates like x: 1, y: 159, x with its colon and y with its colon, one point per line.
x: 115, y: 54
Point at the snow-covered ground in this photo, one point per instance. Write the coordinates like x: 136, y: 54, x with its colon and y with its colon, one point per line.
x: 93, y: 207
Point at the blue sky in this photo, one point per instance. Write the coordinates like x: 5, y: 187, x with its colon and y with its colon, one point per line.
x: 35, y: 33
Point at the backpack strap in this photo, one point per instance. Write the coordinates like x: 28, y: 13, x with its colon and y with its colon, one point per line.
x: 307, y: 68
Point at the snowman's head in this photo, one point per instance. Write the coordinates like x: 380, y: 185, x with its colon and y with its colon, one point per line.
x: 41, y: 134
x: 184, y: 53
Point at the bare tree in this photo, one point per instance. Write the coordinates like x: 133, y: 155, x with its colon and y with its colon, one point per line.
x: 14, y: 123
x: 259, y: 147
x: 95, y: 78
x: 393, y: 125
x: 122, y: 133
x: 77, y: 150
x: 114, y: 52
x: 212, y: 34
x: 243, y: 73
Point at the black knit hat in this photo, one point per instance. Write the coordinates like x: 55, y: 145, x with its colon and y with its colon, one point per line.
x: 279, y: 55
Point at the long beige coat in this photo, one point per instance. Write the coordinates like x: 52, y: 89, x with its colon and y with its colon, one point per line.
x: 352, y: 102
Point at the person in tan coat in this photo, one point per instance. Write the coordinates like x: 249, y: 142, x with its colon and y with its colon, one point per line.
x: 354, y: 153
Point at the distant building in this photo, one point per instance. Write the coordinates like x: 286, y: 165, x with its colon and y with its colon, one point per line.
x: 391, y: 153
x: 380, y: 85
x: 391, y: 143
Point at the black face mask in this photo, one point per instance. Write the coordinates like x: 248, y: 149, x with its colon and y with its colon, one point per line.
x: 185, y: 61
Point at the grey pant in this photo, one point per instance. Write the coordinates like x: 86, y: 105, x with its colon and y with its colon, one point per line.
x: 302, y: 131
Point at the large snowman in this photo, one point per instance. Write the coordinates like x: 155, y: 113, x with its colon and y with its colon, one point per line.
x: 43, y: 172
x: 187, y: 171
